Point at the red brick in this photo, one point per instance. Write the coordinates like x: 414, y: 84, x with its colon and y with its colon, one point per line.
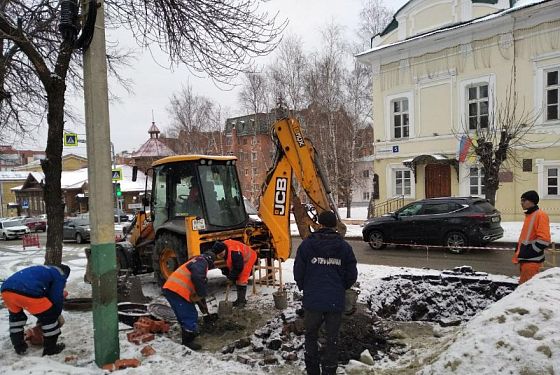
x: 147, y: 351
x: 124, y: 363
x: 143, y: 327
x: 109, y: 367
x: 142, y: 338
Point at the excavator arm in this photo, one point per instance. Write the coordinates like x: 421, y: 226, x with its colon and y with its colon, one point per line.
x: 295, y: 161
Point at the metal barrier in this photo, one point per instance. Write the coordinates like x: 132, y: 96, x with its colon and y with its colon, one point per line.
x: 30, y: 240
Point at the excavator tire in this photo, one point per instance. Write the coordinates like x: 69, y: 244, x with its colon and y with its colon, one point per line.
x: 169, y: 253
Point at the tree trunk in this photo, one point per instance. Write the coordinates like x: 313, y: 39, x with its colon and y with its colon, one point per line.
x: 52, y: 167
x: 490, y: 194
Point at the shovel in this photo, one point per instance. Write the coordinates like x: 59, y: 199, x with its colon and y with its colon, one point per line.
x: 225, y: 307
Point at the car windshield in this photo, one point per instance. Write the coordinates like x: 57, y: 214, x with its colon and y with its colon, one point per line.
x: 15, y: 223
x: 79, y: 222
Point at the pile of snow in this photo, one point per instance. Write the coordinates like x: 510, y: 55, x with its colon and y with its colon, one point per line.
x: 517, y: 335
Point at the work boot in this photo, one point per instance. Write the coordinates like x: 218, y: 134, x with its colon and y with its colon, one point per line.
x: 241, y: 293
x: 50, y: 347
x: 18, y: 341
x: 187, y: 340
x: 312, y: 367
x: 329, y: 370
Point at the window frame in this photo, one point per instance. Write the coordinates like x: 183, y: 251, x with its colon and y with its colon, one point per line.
x: 463, y: 100
x: 388, y: 115
x: 478, y: 100
x: 401, y: 115
x: 547, y: 180
x: 543, y: 166
x: 480, y: 186
x: 545, y: 89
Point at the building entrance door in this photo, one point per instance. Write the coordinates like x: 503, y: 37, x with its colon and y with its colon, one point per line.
x: 437, y: 180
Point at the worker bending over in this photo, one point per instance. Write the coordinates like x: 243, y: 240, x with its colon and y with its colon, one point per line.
x: 184, y: 288
x: 240, y: 259
x: 38, y: 290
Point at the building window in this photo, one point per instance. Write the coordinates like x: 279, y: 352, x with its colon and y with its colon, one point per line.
x: 254, y: 156
x: 244, y: 141
x: 477, y: 103
x: 400, y: 118
x: 228, y: 141
x: 365, y: 195
x: 402, y: 182
x: 246, y: 171
x: 365, y: 173
x: 552, y: 181
x: 476, y: 184
x: 255, y: 171
x: 255, y: 187
x: 552, y: 92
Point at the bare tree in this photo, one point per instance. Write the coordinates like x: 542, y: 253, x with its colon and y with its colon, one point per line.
x: 219, y: 38
x: 323, y: 89
x: 357, y: 102
x: 287, y: 73
x: 374, y: 17
x: 496, y: 141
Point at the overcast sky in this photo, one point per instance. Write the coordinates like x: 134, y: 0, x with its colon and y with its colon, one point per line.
x: 153, y: 84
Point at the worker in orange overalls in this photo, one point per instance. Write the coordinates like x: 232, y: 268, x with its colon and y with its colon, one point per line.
x: 240, y: 259
x: 38, y: 290
x: 184, y: 288
x: 534, y: 237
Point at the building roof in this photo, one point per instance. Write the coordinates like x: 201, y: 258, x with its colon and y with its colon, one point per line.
x: 153, y: 148
x: 36, y: 163
x: 517, y: 6
x: 13, y: 175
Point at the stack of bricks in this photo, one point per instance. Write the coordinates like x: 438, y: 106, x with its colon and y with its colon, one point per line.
x: 145, y: 328
x: 121, y: 364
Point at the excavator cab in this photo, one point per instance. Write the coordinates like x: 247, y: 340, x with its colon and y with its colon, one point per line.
x: 206, y: 187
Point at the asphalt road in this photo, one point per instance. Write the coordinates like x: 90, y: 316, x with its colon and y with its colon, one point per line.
x: 491, y: 261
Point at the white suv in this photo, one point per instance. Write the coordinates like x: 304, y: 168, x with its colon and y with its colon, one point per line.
x: 12, y: 229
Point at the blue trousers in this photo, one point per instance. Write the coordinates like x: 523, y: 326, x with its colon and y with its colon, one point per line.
x: 184, y: 310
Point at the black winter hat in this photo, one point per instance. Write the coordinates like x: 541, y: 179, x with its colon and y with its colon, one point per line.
x: 210, y: 258
x: 327, y: 219
x: 218, y: 247
x: 65, y: 269
x: 531, y: 195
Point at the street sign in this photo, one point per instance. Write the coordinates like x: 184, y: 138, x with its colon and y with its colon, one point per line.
x: 70, y: 139
x: 117, y: 174
x: 135, y: 206
x: 395, y: 149
x: 25, y: 204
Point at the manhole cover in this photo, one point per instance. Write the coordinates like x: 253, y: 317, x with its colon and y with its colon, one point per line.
x: 162, y: 311
x: 78, y: 304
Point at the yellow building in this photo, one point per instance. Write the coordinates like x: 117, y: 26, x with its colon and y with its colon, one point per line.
x: 443, y: 68
x: 70, y: 162
x: 8, y: 202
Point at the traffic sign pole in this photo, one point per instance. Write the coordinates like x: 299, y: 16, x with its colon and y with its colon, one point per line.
x: 103, y: 257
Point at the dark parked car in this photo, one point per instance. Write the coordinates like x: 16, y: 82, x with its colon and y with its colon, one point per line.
x: 35, y: 224
x: 76, y: 229
x: 451, y: 222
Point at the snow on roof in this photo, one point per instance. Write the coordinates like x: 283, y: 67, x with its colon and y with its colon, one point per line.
x: 11, y: 175
x: 16, y: 188
x: 519, y: 5
x: 153, y: 147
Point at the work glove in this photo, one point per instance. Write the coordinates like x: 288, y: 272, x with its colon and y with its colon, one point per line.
x: 203, y: 306
x: 61, y: 321
x: 230, y: 282
x: 195, y: 298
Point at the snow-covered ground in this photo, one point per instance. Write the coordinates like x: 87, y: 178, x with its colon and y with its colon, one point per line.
x: 520, y: 331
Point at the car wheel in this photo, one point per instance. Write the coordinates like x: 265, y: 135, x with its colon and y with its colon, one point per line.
x: 455, y: 242
x: 376, y: 240
x: 4, y: 237
x: 79, y: 238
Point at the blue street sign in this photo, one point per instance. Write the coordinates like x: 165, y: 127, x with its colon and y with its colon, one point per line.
x: 395, y: 149
x: 25, y: 204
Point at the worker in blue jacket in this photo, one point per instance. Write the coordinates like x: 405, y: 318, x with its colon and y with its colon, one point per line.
x: 40, y: 291
x: 324, y: 268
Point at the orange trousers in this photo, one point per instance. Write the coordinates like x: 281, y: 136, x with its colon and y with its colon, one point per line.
x: 527, y: 270
x: 16, y: 302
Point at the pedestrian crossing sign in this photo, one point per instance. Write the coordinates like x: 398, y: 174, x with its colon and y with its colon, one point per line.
x: 70, y: 139
x: 117, y: 174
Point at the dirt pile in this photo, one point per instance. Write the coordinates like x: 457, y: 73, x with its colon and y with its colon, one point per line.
x: 280, y: 341
x: 448, y: 298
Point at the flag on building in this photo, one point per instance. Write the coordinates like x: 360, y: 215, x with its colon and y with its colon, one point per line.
x: 464, y: 146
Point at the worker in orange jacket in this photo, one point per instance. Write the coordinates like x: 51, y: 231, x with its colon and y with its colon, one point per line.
x: 184, y: 288
x: 534, y: 237
x: 240, y: 259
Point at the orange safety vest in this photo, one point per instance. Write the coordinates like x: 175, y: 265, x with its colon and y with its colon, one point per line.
x: 180, y: 282
x: 534, y: 238
x: 249, y: 259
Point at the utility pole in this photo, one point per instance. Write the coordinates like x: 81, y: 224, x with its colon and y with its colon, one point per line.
x: 103, y: 258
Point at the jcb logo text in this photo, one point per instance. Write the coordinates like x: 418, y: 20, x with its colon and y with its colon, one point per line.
x: 280, y: 196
